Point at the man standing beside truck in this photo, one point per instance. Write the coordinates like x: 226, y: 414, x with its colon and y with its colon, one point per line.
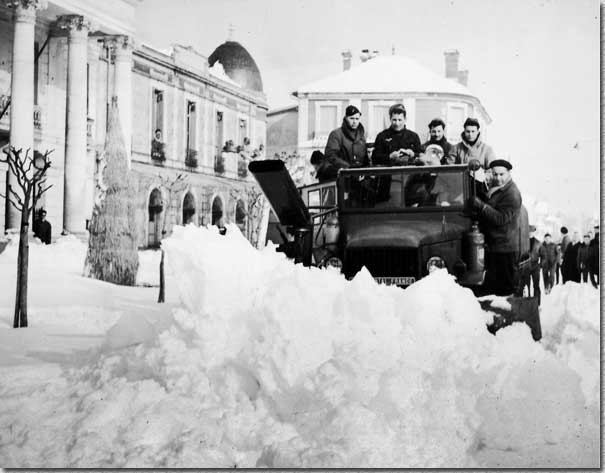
x: 499, y: 220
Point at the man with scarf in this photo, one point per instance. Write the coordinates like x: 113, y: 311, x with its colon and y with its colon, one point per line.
x: 396, y: 145
x: 437, y: 137
x: 471, y: 146
x: 499, y: 221
x: 346, y: 146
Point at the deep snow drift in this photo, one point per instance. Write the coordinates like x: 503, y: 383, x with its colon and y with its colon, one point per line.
x: 270, y: 364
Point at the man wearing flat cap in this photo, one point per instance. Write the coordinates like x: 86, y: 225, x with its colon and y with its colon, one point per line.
x: 499, y: 220
x: 346, y: 146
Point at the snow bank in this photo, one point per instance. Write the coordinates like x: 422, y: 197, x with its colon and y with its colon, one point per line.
x: 270, y: 364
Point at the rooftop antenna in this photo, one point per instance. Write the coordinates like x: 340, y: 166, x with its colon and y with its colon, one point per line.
x: 230, y: 32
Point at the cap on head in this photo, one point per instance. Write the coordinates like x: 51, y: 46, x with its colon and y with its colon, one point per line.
x: 351, y: 110
x: 317, y: 157
x: 564, y: 230
x: 471, y: 122
x: 546, y: 235
x: 500, y: 163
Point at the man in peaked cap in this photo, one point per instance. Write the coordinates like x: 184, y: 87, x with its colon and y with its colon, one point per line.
x: 346, y: 146
x: 499, y: 220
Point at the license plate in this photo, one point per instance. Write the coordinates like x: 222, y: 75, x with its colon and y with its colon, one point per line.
x: 396, y: 281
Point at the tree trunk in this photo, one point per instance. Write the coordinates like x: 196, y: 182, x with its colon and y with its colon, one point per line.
x: 161, y: 295
x: 20, y: 319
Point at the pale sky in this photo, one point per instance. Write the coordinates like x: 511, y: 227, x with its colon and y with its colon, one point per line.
x: 534, y: 64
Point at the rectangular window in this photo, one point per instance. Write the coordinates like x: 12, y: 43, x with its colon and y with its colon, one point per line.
x: 379, y: 120
x: 455, y: 120
x: 242, y: 131
x: 191, y: 125
x: 328, y: 118
x: 157, y: 111
x: 427, y: 110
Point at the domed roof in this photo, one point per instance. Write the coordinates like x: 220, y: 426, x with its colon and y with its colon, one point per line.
x: 238, y: 65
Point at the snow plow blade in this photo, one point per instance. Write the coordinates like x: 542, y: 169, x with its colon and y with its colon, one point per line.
x: 281, y: 192
x: 514, y: 309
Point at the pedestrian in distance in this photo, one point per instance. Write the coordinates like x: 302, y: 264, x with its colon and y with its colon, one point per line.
x: 593, y: 261
x: 565, y: 241
x: 346, y: 146
x: 570, y: 259
x: 43, y: 229
x: 549, y: 256
x: 534, y: 262
x: 584, y: 258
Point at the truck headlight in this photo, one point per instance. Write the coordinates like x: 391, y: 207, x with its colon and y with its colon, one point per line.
x: 435, y: 262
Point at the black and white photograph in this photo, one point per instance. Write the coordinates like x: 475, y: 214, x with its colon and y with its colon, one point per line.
x: 300, y: 234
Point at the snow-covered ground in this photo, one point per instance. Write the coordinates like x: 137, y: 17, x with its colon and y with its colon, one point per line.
x: 254, y: 361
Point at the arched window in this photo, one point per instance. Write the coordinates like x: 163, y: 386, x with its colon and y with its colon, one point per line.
x: 240, y: 215
x: 155, y: 208
x: 217, y: 210
x: 188, y: 208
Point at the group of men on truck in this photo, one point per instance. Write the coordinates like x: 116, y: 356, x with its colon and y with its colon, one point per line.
x: 497, y: 207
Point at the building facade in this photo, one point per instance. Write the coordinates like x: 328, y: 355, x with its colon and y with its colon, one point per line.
x: 373, y: 85
x: 62, y: 61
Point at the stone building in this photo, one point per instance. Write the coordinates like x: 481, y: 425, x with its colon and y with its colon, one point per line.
x: 181, y: 112
x: 373, y: 85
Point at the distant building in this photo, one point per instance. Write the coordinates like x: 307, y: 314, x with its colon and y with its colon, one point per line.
x: 60, y: 64
x: 373, y: 85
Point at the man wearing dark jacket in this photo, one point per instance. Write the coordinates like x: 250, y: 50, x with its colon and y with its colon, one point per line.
x: 565, y: 240
x: 43, y: 229
x: 324, y: 171
x: 584, y: 258
x: 534, y: 261
x: 499, y: 221
x: 549, y: 257
x: 593, y: 259
x: 570, y: 260
x: 396, y: 146
x: 437, y: 130
x: 346, y: 146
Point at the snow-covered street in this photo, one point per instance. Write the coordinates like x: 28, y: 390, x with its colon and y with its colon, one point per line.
x: 256, y: 362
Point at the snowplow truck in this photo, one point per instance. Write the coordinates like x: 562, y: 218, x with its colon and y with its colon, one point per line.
x: 400, y: 223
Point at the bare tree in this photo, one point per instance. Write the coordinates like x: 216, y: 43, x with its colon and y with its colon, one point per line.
x: 256, y: 205
x: 172, y: 186
x: 30, y: 176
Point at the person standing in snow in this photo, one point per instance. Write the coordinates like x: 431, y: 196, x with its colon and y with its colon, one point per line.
x: 472, y: 146
x: 499, y: 221
x: 437, y: 137
x: 565, y: 240
x: 549, y: 256
x: 570, y: 259
x: 346, y: 146
x: 43, y: 229
x: 584, y: 258
x: 396, y: 146
x: 534, y: 261
x: 593, y: 259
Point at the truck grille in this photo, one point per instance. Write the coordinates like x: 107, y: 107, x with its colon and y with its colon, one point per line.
x: 381, y: 261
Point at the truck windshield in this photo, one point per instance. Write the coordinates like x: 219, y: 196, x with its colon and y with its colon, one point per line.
x: 415, y: 188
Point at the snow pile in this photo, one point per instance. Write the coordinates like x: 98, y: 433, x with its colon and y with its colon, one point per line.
x: 273, y: 365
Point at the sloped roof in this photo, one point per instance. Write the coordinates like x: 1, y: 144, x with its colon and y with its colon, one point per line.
x: 386, y: 74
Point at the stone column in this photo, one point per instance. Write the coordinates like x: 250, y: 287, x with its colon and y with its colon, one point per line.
x: 122, y: 51
x: 74, y: 213
x: 22, y: 87
x: 91, y: 131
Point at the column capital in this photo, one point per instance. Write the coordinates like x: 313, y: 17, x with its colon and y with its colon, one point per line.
x: 25, y: 10
x: 121, y: 46
x: 75, y: 25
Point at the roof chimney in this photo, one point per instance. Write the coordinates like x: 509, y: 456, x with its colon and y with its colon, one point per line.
x: 451, y: 63
x: 463, y: 77
x: 365, y: 55
x: 346, y: 60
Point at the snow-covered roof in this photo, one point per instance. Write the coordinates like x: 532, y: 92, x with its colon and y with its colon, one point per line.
x: 386, y: 74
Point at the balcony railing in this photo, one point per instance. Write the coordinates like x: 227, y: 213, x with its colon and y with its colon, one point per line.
x: 157, y: 151
x: 191, y: 158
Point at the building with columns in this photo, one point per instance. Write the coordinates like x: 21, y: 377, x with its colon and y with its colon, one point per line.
x: 373, y: 85
x: 62, y: 61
